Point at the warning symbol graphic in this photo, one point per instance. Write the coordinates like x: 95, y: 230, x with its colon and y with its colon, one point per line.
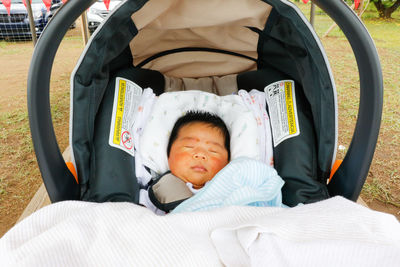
x: 127, y: 97
x: 126, y: 139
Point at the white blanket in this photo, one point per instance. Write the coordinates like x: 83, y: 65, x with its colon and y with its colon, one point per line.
x: 335, y: 232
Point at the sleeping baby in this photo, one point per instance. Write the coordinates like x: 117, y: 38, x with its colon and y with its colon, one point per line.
x: 198, y: 148
x: 200, y: 177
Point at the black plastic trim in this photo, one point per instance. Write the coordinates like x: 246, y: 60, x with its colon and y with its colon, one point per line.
x: 192, y: 49
x: 60, y: 183
x: 350, y: 177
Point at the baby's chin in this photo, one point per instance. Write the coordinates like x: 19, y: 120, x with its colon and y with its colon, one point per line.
x: 197, y: 179
x: 199, y: 183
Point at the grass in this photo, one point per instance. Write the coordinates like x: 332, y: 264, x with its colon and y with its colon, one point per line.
x: 15, y: 130
x: 13, y: 48
x: 15, y: 126
x: 19, y: 172
x: 380, y: 28
x: 383, y: 182
x: 381, y: 192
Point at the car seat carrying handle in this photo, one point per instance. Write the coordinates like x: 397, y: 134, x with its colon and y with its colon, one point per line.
x: 59, y: 181
x: 347, y: 181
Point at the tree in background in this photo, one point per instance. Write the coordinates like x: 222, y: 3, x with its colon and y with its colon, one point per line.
x: 386, y: 7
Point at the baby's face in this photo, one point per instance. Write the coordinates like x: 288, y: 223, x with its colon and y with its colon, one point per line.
x: 198, y: 153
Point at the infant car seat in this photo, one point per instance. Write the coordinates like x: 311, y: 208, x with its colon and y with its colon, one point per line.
x: 250, y: 43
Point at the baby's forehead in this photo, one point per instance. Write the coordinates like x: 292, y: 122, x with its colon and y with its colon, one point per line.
x: 205, y: 127
x: 192, y: 124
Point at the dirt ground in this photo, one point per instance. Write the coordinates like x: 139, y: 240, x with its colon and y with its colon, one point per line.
x: 15, y: 64
x: 15, y: 59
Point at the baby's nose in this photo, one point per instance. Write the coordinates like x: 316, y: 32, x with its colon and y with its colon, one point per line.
x: 199, y: 155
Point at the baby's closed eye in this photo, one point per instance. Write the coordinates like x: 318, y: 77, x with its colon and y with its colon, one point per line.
x: 215, y: 150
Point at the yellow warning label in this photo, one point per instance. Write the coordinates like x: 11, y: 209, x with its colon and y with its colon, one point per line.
x: 120, y: 112
x: 290, y: 108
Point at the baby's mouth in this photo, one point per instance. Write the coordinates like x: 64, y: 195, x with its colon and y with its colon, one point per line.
x: 199, y: 168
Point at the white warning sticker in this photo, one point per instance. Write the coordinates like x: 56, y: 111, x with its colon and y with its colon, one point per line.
x: 126, y: 100
x: 281, y: 100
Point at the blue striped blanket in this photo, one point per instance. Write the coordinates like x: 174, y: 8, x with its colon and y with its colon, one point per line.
x: 243, y: 182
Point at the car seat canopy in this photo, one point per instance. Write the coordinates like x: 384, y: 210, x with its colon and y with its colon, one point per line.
x: 169, y: 25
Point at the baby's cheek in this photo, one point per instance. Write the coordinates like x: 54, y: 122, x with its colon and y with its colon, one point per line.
x: 179, y: 157
x: 218, y: 164
x: 177, y: 161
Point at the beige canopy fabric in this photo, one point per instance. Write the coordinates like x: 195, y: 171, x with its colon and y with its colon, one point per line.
x: 218, y: 24
x: 224, y: 85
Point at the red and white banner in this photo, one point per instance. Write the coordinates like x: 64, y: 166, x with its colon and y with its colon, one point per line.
x: 356, y: 4
x: 47, y: 3
x: 7, y: 4
x: 107, y: 3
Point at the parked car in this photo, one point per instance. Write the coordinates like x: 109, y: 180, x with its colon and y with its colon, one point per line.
x: 98, y: 12
x: 55, y: 6
x: 16, y: 24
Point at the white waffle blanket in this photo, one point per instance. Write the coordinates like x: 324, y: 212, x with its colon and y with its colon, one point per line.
x: 335, y: 232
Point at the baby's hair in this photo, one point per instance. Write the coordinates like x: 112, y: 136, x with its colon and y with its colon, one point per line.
x: 208, y: 118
